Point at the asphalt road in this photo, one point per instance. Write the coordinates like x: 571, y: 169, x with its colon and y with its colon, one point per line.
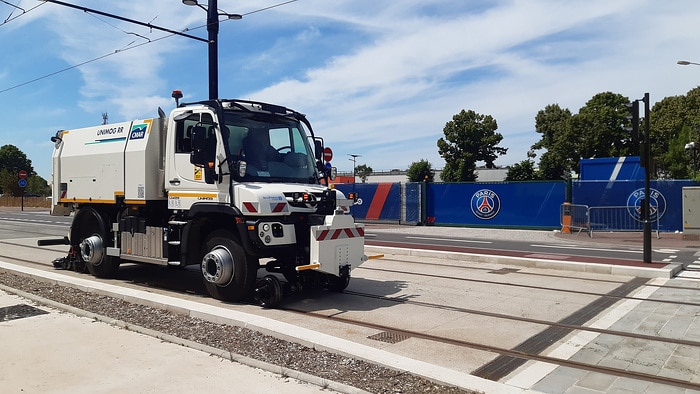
x: 514, y: 243
x: 519, y: 243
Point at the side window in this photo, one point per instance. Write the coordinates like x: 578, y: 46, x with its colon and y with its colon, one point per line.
x: 183, y: 131
x: 183, y: 134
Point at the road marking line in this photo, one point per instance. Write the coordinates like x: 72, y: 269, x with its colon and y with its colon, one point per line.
x: 579, y: 247
x: 450, y: 240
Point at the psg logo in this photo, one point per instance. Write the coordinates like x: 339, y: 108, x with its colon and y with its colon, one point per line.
x: 485, y: 204
x: 657, y: 204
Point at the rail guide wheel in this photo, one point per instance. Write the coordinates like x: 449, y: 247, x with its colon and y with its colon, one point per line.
x: 268, y: 291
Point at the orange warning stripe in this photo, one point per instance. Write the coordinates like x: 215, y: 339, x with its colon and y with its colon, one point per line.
x: 377, y: 204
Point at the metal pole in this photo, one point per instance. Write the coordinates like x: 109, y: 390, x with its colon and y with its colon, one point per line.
x: 647, y: 183
x: 213, y: 30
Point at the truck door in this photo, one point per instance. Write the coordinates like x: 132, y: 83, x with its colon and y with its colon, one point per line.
x: 185, y: 182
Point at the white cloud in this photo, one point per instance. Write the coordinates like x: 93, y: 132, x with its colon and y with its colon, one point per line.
x: 379, y: 79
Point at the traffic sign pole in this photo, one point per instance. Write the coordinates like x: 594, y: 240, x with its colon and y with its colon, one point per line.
x: 22, y: 182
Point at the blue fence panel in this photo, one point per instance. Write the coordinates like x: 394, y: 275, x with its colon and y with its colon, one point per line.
x: 666, y: 198
x: 412, y: 202
x: 379, y: 201
x: 611, y: 168
x: 508, y: 204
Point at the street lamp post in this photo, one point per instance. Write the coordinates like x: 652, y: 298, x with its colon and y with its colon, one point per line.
x: 354, y: 157
x: 691, y: 147
x: 213, y: 32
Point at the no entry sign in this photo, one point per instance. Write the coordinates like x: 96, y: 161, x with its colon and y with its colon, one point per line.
x: 327, y: 154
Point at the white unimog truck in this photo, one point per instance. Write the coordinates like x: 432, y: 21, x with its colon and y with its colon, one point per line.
x: 221, y: 184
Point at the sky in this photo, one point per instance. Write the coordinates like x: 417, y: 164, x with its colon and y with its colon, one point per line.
x: 378, y: 79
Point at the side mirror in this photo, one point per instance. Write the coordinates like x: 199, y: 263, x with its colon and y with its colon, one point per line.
x: 199, y: 136
x: 242, y: 168
x: 318, y: 149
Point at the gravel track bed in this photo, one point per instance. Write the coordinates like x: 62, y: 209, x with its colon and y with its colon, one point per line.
x: 356, y: 373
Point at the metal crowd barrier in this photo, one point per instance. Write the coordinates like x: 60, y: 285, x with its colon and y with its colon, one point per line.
x: 574, y: 217
x: 610, y: 218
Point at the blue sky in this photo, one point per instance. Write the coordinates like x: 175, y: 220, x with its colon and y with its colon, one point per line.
x: 376, y: 78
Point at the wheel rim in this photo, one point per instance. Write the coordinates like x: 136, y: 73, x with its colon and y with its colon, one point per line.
x: 217, y: 266
x: 92, y: 249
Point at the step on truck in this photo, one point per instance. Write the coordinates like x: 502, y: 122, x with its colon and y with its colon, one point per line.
x: 233, y: 186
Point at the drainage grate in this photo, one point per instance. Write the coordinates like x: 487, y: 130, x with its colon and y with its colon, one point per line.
x: 19, y: 311
x: 388, y: 337
x: 504, y: 271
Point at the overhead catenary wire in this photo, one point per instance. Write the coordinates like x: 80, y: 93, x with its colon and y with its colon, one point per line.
x: 10, y: 18
x: 128, y: 47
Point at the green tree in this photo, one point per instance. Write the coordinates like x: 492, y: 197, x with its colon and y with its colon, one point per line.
x: 600, y: 126
x: 523, y: 171
x: 12, y: 160
x: 552, y: 122
x: 675, y: 121
x: 363, y: 171
x: 37, y: 185
x: 419, y: 171
x: 598, y: 130
x: 469, y: 137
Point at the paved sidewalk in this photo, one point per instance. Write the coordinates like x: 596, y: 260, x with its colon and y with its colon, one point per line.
x: 50, y: 351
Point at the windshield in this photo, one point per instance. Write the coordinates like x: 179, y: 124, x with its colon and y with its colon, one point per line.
x: 275, y: 148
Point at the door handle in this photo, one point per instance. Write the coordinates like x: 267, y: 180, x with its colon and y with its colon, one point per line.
x: 175, y: 181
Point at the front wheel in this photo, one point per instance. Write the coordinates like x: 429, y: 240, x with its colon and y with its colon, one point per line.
x: 228, y: 274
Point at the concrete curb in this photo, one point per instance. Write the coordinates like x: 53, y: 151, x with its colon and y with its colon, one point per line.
x: 610, y: 269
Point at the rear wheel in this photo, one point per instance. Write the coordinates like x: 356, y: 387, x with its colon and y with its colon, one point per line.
x: 229, y: 275
x: 89, y: 236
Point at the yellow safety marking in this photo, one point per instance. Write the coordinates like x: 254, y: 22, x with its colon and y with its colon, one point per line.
x: 197, y: 173
x: 308, y: 267
x: 376, y: 256
x: 193, y: 195
x: 88, y: 201
x: 135, y: 202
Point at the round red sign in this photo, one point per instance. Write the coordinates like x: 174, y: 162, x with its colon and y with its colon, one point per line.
x: 22, y: 174
x: 327, y: 154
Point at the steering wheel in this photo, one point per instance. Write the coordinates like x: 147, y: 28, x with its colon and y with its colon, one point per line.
x: 280, y: 149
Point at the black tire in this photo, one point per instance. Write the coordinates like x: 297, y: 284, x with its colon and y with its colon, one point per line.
x: 89, y: 223
x: 222, y: 249
x: 335, y: 283
x: 268, y: 292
